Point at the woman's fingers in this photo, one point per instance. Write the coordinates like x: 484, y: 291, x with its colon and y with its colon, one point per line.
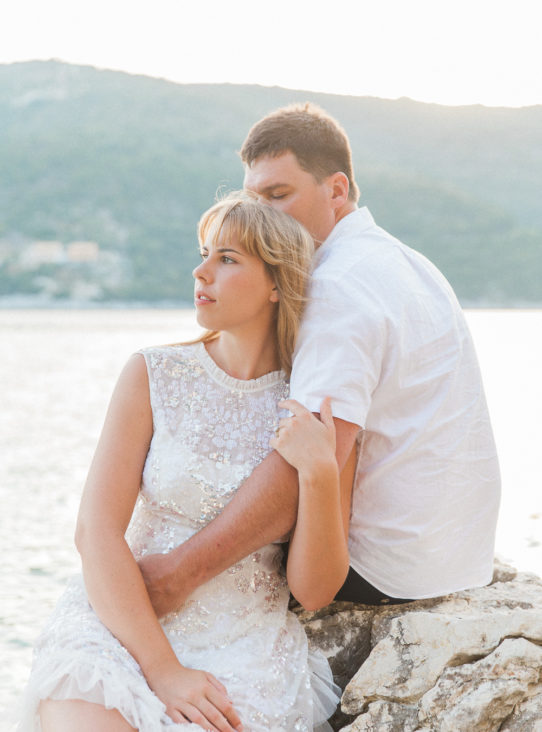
x: 298, y: 410
x: 216, y: 683
x: 302, y: 418
x: 216, y: 708
x: 194, y: 714
x: 176, y: 716
x: 223, y: 707
x: 197, y: 696
x: 326, y: 415
x: 293, y: 406
x: 305, y: 441
x: 208, y: 716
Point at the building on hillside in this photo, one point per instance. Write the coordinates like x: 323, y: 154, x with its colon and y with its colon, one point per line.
x: 81, y: 270
x: 6, y: 252
x: 42, y: 252
x: 83, y: 251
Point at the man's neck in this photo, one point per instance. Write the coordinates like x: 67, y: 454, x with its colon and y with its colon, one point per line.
x: 348, y: 208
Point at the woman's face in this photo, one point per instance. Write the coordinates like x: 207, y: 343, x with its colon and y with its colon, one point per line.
x: 233, y: 291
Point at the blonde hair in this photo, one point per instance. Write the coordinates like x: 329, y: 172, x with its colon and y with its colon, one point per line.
x: 283, y: 245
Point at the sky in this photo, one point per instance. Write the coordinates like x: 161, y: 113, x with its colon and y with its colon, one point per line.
x: 451, y: 52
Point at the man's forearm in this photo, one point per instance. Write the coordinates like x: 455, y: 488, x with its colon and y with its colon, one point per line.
x: 263, y: 510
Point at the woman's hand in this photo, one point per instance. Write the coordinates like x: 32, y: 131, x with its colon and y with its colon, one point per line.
x: 196, y: 696
x: 318, y: 556
x: 305, y: 441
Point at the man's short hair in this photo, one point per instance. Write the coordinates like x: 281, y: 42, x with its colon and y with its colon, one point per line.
x: 317, y: 140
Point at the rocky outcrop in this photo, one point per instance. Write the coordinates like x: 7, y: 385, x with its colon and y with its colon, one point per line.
x: 469, y: 661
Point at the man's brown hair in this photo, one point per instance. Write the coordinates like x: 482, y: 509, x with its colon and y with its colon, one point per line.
x: 317, y: 140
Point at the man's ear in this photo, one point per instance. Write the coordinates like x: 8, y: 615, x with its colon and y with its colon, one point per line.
x: 339, y: 189
x: 274, y: 296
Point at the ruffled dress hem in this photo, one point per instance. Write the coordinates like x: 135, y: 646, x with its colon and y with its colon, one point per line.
x: 94, y: 679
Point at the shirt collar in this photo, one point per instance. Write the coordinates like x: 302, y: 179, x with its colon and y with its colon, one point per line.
x: 357, y: 221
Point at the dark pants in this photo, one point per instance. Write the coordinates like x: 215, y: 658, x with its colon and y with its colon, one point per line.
x: 356, y: 589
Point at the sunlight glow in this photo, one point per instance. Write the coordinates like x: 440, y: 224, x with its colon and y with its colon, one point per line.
x: 460, y: 52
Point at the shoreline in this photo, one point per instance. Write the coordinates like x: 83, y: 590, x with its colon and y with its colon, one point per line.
x: 29, y: 302
x: 36, y: 302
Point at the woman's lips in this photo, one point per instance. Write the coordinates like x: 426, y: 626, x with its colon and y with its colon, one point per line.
x: 201, y: 298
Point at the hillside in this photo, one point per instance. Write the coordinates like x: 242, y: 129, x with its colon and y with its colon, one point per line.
x: 129, y: 163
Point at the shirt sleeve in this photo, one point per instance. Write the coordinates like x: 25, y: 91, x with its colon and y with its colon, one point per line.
x: 339, y: 351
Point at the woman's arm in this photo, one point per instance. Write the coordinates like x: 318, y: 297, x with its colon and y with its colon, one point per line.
x: 114, y: 583
x: 318, y: 554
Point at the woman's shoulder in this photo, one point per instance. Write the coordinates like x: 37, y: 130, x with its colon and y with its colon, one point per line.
x: 171, y: 371
x: 173, y: 356
x: 170, y: 350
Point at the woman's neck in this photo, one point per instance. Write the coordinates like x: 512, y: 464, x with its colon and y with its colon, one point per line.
x: 244, y: 358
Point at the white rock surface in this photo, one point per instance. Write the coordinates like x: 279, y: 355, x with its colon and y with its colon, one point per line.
x: 468, y: 662
x: 414, y: 648
x: 483, y: 693
x: 527, y: 716
x: 385, y: 717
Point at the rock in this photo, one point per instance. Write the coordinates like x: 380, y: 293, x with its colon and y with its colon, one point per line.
x: 469, y: 661
x: 419, y: 645
x: 503, y: 572
x: 385, y: 717
x: 483, y: 693
x: 343, y: 635
x: 527, y: 716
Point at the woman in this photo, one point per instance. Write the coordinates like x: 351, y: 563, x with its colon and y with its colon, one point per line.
x: 186, y: 425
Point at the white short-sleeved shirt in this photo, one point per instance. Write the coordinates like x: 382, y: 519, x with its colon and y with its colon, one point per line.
x: 385, y: 337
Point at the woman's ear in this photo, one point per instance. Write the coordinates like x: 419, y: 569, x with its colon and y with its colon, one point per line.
x: 274, y: 296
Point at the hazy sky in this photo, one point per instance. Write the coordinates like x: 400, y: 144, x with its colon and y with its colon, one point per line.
x: 444, y: 51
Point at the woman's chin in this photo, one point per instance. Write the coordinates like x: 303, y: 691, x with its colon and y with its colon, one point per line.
x: 203, y: 321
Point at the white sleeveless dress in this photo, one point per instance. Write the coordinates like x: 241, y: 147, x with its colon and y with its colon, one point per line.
x: 210, y: 431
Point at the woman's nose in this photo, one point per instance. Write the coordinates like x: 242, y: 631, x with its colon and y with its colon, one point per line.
x: 201, y: 272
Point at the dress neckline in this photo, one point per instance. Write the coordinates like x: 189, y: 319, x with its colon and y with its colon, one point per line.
x: 220, y: 376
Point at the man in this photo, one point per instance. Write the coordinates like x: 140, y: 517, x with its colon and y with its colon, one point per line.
x: 384, y: 336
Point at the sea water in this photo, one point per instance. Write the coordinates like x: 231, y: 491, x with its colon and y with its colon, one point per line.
x: 57, y: 371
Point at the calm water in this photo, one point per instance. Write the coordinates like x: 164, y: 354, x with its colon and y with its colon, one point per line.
x: 57, y: 372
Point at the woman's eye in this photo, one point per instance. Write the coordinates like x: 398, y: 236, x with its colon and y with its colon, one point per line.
x: 203, y: 255
x: 227, y: 260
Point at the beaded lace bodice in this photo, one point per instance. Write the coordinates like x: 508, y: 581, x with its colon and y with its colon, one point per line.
x: 210, y: 432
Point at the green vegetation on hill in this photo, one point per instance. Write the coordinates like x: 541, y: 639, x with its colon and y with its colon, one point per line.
x: 131, y: 162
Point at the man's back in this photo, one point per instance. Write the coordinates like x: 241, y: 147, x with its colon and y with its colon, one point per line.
x: 385, y: 337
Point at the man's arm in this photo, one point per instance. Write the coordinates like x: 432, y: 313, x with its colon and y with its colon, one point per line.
x: 263, y: 510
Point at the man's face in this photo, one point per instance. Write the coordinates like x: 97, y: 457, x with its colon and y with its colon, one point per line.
x: 283, y: 184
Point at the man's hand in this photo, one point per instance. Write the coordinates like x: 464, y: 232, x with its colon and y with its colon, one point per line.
x: 158, y: 572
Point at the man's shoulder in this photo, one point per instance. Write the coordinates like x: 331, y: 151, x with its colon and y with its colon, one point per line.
x: 355, y: 242
x: 359, y: 262
x: 374, y: 261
